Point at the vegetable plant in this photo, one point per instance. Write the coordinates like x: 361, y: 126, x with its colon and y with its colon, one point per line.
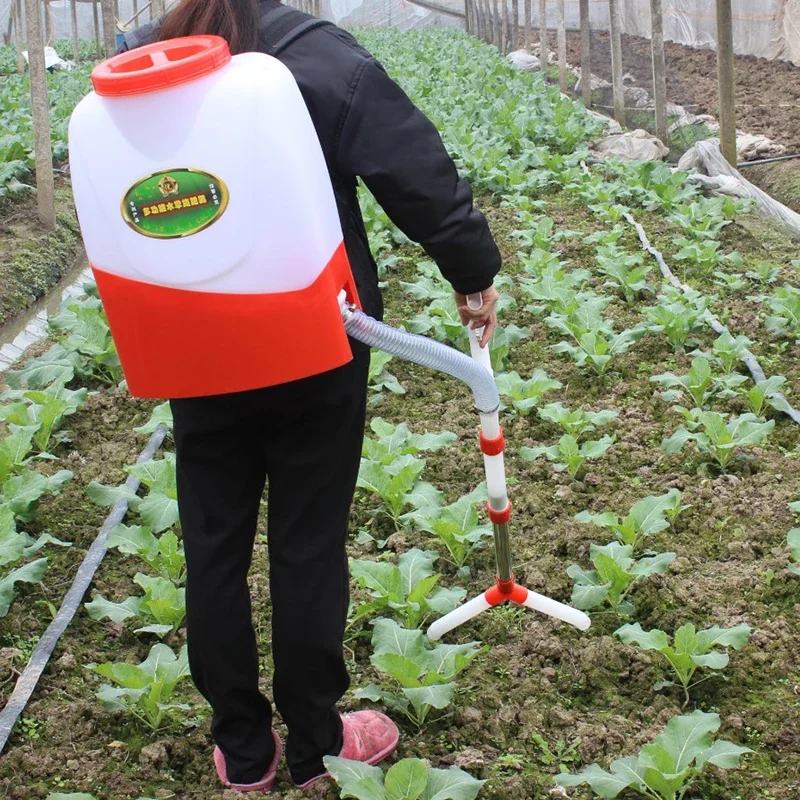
x: 457, y: 525
x: 408, y: 779
x: 568, y: 456
x: 646, y: 517
x: 598, y: 348
x: 667, y: 768
x: 163, y: 554
x: 159, y: 509
x: 677, y: 316
x: 690, y: 650
x: 729, y: 352
x: 407, y: 589
x: 765, y: 393
x: 379, y: 378
x: 424, y: 675
x: 793, y: 540
x: 784, y: 305
x: 616, y: 573
x: 718, y: 438
x: 162, y: 607
x: 699, y: 384
x: 576, y: 422
x: 398, y: 440
x: 145, y: 690
x: 625, y: 271
x: 397, y: 485
x: 161, y: 415
x: 525, y: 393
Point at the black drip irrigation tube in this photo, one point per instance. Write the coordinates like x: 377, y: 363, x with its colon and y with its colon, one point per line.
x: 26, y: 683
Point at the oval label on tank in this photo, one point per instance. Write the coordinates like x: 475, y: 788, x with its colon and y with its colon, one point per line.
x: 174, y: 203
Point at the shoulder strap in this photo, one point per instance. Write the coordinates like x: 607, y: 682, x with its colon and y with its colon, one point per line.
x: 143, y: 35
x: 283, y: 25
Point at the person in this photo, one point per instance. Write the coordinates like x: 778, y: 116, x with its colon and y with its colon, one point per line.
x: 304, y: 438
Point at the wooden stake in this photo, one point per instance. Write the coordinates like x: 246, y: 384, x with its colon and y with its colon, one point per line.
x: 544, y: 47
x: 109, y: 28
x: 515, y: 24
x: 659, y: 70
x: 96, y: 18
x: 616, y: 63
x: 562, y: 48
x: 45, y: 185
x: 527, y: 23
x: 506, y: 28
x: 19, y: 32
x: 726, y: 80
x: 496, y: 23
x: 586, y: 54
x: 76, y: 44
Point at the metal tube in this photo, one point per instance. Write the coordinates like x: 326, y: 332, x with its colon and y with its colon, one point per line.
x: 502, y: 549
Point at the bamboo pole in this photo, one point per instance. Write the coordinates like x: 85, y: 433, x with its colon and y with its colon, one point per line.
x: 76, y: 44
x: 96, y: 19
x: 562, y: 48
x: 515, y: 24
x: 48, y: 23
x: 616, y: 63
x: 726, y: 79
x: 527, y: 23
x: 19, y: 32
x: 659, y: 70
x: 45, y: 185
x: 544, y: 47
x: 586, y: 54
x: 109, y: 27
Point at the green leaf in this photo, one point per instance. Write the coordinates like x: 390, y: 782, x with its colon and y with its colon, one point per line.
x: 625, y: 772
x: 355, y: 778
x: 647, y: 640
x: 406, y: 780
x: 159, y: 511
x: 451, y: 784
x: 383, y: 579
x: 28, y: 573
x: 162, y: 415
x: 722, y: 754
x: 685, y: 737
x: 100, y: 608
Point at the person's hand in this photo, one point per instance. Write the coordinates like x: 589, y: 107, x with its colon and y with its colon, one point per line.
x: 484, y: 317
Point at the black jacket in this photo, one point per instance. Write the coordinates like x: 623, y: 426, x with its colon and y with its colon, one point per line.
x: 370, y: 129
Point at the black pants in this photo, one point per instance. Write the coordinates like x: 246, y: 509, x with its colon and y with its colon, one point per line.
x: 305, y: 437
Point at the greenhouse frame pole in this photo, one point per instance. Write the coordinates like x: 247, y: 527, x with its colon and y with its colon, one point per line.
x: 726, y: 80
x: 45, y: 184
x: 19, y: 32
x: 544, y: 48
x: 76, y: 45
x: 562, y: 48
x: 109, y: 28
x: 586, y: 54
x: 659, y: 70
x: 616, y: 62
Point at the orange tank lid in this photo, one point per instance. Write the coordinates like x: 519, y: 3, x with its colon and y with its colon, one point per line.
x: 160, y: 65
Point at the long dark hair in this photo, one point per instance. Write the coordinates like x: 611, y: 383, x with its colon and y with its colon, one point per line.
x: 234, y: 20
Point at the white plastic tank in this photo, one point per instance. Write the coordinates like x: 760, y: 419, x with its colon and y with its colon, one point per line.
x: 209, y: 220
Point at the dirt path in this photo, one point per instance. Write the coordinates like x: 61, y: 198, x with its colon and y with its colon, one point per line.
x: 767, y: 92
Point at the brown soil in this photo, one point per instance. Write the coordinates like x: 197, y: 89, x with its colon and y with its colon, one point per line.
x: 767, y: 92
x: 540, y: 679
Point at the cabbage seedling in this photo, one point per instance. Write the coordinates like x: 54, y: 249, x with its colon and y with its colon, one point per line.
x: 424, y: 675
x: 163, y: 554
x: 667, y: 768
x: 145, y: 690
x: 407, y: 590
x: 408, y: 779
x: 567, y: 455
x: 576, y: 422
x: 690, y: 651
x: 718, y: 438
x: 793, y: 540
x: 645, y: 518
x: 616, y: 572
x: 525, y: 393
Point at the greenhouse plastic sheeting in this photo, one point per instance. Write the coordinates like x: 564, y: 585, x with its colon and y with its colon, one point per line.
x: 768, y: 28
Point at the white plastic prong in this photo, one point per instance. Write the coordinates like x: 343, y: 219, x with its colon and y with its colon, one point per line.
x: 458, y: 616
x: 558, y: 610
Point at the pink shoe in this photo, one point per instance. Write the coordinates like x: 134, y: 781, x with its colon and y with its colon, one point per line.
x: 368, y: 736
x: 265, y: 784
